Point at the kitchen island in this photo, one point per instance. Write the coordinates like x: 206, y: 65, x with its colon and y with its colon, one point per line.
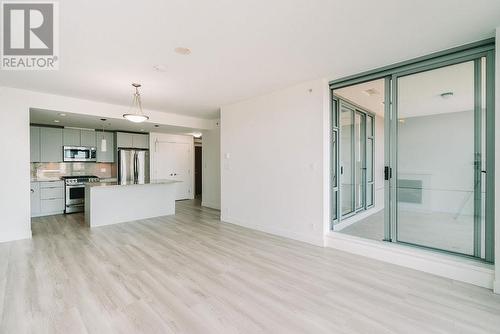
x: 109, y: 203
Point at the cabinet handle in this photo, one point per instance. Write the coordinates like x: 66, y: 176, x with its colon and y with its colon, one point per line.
x: 32, y: 191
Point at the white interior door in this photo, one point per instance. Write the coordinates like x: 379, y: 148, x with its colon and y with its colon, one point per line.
x: 183, y: 169
x: 164, y: 160
x: 173, y: 161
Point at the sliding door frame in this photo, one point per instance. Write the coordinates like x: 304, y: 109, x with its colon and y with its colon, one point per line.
x: 470, y: 52
x: 338, y: 103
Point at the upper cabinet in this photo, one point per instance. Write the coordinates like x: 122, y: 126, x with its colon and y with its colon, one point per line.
x: 79, y: 137
x: 132, y: 140
x: 88, y: 138
x: 71, y: 137
x: 140, y: 141
x: 109, y: 155
x: 51, y: 144
x: 34, y: 144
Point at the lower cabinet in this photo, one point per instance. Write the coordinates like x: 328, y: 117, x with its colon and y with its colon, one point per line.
x: 47, y: 198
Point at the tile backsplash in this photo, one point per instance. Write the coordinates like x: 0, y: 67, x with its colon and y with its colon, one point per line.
x: 51, y: 170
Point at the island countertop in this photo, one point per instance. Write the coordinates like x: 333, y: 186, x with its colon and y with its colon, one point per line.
x: 109, y: 203
x: 129, y: 183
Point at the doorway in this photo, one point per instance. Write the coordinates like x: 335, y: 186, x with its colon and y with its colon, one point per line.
x: 197, y: 171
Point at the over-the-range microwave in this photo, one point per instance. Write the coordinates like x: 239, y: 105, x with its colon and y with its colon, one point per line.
x: 79, y: 153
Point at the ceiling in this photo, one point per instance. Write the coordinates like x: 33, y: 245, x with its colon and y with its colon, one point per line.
x: 369, y: 95
x: 47, y: 117
x: 240, y: 49
x: 420, y: 94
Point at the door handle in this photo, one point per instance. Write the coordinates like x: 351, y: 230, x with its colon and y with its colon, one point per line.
x: 387, y: 173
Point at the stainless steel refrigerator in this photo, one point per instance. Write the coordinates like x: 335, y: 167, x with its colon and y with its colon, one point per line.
x: 133, y: 166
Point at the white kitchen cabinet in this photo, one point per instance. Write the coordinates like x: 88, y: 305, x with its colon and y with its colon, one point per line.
x: 87, y: 138
x: 71, y: 137
x: 140, y: 141
x: 124, y: 140
x: 35, y: 198
x: 132, y: 140
x: 51, y: 144
x: 34, y: 144
x: 47, y: 198
x: 79, y: 137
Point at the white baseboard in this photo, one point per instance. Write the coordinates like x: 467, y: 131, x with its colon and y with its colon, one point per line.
x: 7, y: 238
x: 496, y: 286
x: 310, y: 239
x: 449, y: 266
x: 210, y: 205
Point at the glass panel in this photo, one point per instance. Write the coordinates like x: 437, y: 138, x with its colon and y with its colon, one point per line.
x: 435, y: 161
x: 346, y: 152
x: 334, y: 205
x: 360, y: 156
x: 369, y: 126
x: 369, y: 194
x: 335, y: 111
x: 369, y: 160
x: 334, y: 159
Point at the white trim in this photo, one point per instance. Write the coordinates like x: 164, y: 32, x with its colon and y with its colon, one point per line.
x: 210, y: 205
x: 310, y: 239
x: 496, y: 286
x: 449, y: 266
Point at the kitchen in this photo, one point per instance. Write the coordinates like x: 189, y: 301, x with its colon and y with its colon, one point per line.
x: 69, y: 152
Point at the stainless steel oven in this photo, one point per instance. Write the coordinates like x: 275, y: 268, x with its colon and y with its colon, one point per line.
x: 79, y: 153
x: 75, y: 192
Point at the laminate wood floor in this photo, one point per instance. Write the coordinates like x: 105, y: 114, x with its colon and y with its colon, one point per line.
x: 190, y: 273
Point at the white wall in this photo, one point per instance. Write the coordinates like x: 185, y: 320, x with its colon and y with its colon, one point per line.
x: 273, y: 162
x: 210, y: 152
x: 15, y: 149
x: 14, y: 168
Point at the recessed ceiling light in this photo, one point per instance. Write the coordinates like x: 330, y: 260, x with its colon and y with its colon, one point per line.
x: 62, y: 114
x: 371, y: 92
x: 56, y: 121
x: 446, y: 95
x: 182, y: 51
x: 160, y: 68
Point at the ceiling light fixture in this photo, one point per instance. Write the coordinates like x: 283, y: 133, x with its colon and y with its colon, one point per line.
x: 137, y: 116
x: 56, y: 121
x: 447, y: 95
x: 182, y: 51
x: 371, y: 92
x: 62, y: 114
x: 104, y: 142
x: 197, y: 134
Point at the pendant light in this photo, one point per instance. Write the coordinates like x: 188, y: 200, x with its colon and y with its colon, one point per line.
x: 137, y: 116
x: 104, y: 142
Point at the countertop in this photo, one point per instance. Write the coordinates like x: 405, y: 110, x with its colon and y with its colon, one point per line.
x: 116, y: 184
x: 45, y: 179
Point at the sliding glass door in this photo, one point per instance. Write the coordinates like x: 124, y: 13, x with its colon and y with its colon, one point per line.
x: 438, y: 124
x: 440, y: 157
x: 356, y: 161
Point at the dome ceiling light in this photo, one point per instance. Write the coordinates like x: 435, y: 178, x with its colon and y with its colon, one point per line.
x: 138, y: 115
